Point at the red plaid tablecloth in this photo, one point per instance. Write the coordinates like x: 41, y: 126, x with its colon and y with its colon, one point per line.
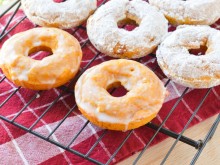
x: 19, y: 147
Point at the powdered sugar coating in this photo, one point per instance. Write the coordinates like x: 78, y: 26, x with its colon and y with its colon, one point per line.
x: 105, y: 35
x: 196, y: 12
x: 187, y: 69
x: 70, y: 13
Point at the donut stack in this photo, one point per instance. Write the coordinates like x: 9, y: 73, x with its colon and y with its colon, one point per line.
x: 146, y: 92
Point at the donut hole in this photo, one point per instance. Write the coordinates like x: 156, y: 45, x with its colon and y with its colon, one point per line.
x: 116, y: 89
x: 59, y: 1
x: 199, y: 52
x: 131, y: 69
x: 40, y: 52
x: 127, y: 24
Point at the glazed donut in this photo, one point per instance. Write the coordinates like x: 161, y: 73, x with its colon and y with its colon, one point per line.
x: 139, y: 106
x: 63, y: 15
x: 52, y: 71
x: 105, y: 35
x: 184, y: 68
x: 192, y: 12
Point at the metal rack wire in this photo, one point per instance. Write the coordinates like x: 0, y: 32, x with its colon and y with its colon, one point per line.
x: 198, y: 144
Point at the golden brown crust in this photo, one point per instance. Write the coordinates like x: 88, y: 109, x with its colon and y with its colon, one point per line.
x: 140, y: 105
x: 50, y: 72
x: 118, y: 126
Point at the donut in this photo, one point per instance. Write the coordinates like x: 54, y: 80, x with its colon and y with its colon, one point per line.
x: 52, y: 71
x: 103, y: 31
x: 174, y: 58
x: 63, y: 15
x: 140, y: 105
x: 191, y: 12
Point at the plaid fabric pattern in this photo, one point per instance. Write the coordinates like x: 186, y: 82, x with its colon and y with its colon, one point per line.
x: 21, y: 147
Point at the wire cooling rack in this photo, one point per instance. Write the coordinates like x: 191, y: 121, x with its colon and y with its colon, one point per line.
x: 198, y: 144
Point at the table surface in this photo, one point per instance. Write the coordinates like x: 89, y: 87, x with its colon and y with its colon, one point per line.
x: 182, y: 154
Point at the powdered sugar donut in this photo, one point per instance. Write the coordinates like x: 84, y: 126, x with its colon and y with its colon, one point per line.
x: 63, y: 15
x: 194, y: 12
x: 189, y: 70
x: 105, y: 35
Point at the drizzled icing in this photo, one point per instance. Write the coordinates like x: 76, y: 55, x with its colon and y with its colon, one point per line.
x: 138, y: 106
x: 203, y: 12
x: 193, y: 71
x: 49, y: 72
x: 67, y: 14
x: 105, y: 35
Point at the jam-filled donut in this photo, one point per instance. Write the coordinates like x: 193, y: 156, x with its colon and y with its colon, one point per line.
x: 103, y: 31
x: 180, y: 65
x: 70, y: 13
x: 140, y: 105
x: 51, y: 71
x: 192, y: 12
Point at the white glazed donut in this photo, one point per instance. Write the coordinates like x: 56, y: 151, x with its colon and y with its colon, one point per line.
x: 140, y: 105
x: 189, y: 70
x: 194, y: 12
x: 70, y: 13
x: 50, y: 72
x: 105, y: 35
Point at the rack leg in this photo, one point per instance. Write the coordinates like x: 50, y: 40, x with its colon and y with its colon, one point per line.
x: 207, y: 138
x: 197, y: 144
